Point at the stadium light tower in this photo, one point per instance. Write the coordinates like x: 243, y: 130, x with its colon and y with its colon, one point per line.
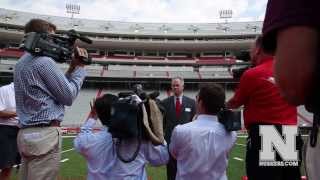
x: 164, y: 28
x: 136, y: 28
x: 73, y: 9
x: 226, y: 14
x: 7, y: 18
x: 193, y: 28
x: 254, y: 28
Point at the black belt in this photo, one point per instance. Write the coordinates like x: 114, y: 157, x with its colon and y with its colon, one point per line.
x: 52, y: 123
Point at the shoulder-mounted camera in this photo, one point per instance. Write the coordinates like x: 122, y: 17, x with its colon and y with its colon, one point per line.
x: 59, y: 47
x: 136, y: 116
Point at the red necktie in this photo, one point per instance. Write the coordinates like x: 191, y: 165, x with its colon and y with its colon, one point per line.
x: 178, y: 107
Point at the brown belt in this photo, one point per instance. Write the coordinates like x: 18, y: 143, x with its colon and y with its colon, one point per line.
x: 55, y: 123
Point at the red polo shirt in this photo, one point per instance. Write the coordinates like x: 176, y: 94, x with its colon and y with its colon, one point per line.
x: 261, y: 98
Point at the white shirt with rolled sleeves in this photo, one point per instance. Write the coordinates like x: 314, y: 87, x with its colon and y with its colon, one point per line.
x: 201, y: 149
x: 102, y: 161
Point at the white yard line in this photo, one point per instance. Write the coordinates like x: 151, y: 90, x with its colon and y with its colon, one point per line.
x: 242, y: 136
x: 14, y: 166
x: 238, y: 159
x: 64, y: 160
x: 241, y: 144
x: 67, y: 150
x: 69, y: 136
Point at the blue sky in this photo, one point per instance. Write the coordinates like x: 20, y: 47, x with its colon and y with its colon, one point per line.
x: 184, y: 11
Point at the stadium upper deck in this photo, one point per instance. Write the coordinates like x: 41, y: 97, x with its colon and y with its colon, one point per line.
x: 160, y: 36
x: 170, y: 46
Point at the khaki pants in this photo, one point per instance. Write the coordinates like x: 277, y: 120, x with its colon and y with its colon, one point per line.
x: 40, y: 152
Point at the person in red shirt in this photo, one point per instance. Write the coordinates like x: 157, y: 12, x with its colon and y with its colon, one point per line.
x: 263, y: 105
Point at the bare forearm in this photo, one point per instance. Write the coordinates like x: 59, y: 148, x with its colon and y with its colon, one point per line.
x: 236, y: 101
x: 232, y: 104
x: 295, y: 63
x: 7, y: 114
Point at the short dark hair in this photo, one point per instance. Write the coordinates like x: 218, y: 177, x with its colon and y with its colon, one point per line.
x: 103, y: 107
x: 267, y: 44
x: 259, y: 42
x: 213, y: 97
x: 39, y: 26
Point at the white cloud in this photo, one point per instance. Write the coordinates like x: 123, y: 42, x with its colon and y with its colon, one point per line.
x: 196, y: 11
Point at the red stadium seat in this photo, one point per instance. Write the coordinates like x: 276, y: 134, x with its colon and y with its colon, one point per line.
x: 11, y: 52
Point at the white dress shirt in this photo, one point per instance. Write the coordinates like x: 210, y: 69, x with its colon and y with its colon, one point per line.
x: 102, y: 161
x: 8, y: 103
x: 201, y: 149
x: 180, y: 99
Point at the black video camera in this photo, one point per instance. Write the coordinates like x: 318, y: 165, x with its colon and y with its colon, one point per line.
x: 126, y: 121
x: 137, y: 89
x: 237, y: 72
x: 127, y: 114
x: 58, y: 47
x: 231, y: 119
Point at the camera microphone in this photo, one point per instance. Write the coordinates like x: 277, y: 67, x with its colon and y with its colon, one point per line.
x: 125, y: 94
x: 73, y: 33
x: 154, y: 95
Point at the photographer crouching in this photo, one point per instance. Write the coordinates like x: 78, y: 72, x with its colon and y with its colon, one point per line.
x: 42, y: 91
x: 107, y: 151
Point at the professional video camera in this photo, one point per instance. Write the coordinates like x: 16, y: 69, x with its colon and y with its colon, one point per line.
x: 237, y: 72
x: 129, y: 116
x: 231, y: 119
x: 137, y: 89
x: 58, y: 47
x: 127, y: 112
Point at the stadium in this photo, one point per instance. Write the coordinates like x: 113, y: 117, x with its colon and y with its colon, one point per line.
x: 125, y: 53
x: 147, y: 51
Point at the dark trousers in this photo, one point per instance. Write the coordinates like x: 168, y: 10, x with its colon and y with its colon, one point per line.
x: 171, y: 169
x: 9, y: 154
x: 256, y: 172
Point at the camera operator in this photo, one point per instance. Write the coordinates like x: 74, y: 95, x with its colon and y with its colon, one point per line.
x: 42, y: 91
x: 99, y: 149
x: 291, y: 31
x: 201, y: 147
x: 263, y: 105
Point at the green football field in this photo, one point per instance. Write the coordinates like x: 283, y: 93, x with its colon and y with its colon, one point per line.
x: 73, y: 165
